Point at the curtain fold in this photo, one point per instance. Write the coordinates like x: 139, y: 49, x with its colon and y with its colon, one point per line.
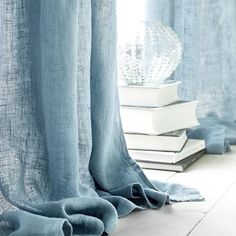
x: 65, y: 168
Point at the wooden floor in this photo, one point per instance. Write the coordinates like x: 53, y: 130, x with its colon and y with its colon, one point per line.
x: 215, y: 177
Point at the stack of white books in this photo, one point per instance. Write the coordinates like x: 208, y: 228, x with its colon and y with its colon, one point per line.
x: 154, y: 122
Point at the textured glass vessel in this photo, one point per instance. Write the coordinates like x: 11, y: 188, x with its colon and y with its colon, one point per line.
x: 150, y: 56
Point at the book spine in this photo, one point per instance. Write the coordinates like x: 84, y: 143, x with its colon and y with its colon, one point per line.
x: 189, y: 161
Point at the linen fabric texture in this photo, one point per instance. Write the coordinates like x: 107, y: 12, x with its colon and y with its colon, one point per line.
x: 207, y: 32
x: 65, y: 168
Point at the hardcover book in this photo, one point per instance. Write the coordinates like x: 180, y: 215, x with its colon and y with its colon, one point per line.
x: 172, y: 141
x: 149, y: 96
x: 177, y: 167
x: 146, y: 120
x: 192, y: 146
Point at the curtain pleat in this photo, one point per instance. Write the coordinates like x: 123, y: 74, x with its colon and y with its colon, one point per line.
x: 65, y: 168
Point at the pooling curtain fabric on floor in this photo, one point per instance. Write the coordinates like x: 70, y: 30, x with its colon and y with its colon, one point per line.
x: 64, y: 164
x: 207, y: 30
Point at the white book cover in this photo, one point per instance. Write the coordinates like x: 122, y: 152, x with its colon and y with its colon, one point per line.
x: 146, y: 120
x: 149, y: 96
x: 178, y: 167
x: 192, y: 146
x: 172, y: 141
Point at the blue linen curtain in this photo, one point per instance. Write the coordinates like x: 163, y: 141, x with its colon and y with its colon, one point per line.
x: 207, y: 30
x: 64, y: 164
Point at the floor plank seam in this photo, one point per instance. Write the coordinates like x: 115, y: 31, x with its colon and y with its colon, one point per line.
x: 210, y: 209
x: 198, y: 222
x: 171, y: 176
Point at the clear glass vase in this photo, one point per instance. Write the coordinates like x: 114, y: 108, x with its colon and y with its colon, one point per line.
x: 150, y: 56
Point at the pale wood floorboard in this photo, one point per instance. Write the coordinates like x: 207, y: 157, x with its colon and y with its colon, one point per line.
x: 215, y: 177
x: 159, y: 175
x: 221, y: 219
